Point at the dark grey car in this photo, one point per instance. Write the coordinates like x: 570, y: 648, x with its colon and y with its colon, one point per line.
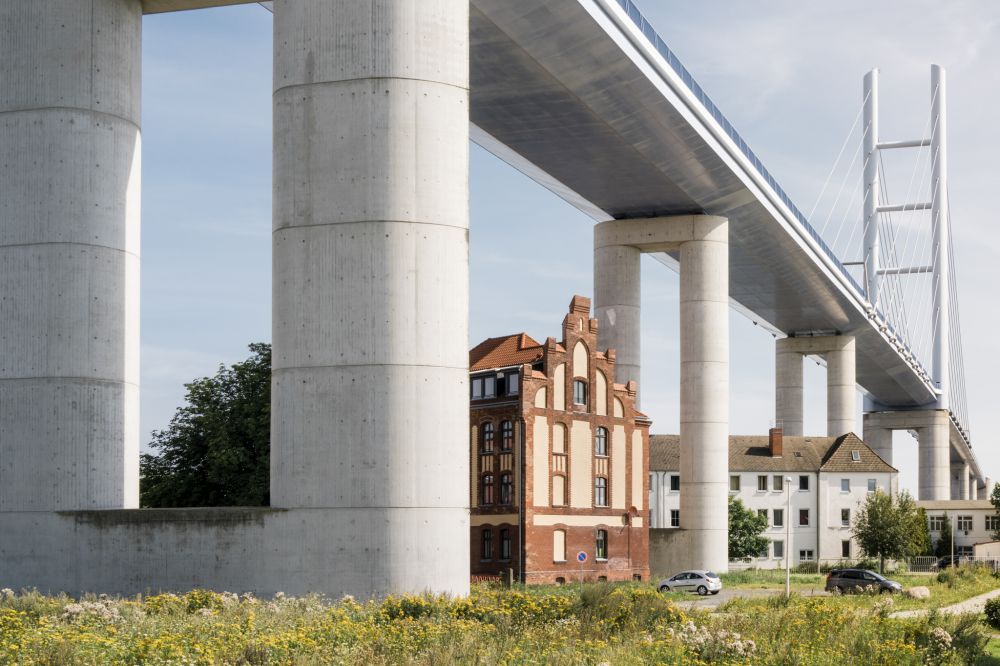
x: 839, y: 581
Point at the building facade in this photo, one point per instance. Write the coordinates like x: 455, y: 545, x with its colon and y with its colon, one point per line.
x: 809, y: 488
x: 559, y: 459
x: 972, y: 522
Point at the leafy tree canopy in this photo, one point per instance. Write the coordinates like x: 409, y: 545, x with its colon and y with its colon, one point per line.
x: 995, y: 501
x: 943, y: 545
x: 746, y: 529
x: 890, y: 526
x: 216, y: 451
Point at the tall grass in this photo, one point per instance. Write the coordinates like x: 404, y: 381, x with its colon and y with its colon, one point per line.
x: 589, y: 624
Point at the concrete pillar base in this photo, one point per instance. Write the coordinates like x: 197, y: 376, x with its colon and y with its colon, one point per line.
x: 841, y: 386
x: 703, y: 244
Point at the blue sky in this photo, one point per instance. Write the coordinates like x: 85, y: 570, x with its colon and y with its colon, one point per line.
x: 787, y: 74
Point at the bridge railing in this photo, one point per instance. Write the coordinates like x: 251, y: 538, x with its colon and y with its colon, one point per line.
x: 661, y: 47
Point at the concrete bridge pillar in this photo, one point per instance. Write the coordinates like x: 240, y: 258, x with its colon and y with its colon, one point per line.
x: 617, y: 292
x: 788, y: 399
x: 973, y: 487
x: 69, y: 254
x: 879, y: 440
x: 370, y: 403
x: 841, y: 385
x: 702, y: 242
x: 934, y: 458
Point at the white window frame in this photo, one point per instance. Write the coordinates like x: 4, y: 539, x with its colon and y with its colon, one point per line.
x: 844, y: 523
x: 778, y: 483
x: 803, y: 477
x: 774, y: 517
x: 872, y: 485
x: 845, y: 485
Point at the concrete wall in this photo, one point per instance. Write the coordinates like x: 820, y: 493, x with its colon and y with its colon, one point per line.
x: 260, y: 550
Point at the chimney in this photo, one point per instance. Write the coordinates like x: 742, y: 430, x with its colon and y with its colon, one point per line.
x: 774, y: 440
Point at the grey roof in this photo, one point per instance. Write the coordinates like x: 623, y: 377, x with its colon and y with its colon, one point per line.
x: 752, y: 453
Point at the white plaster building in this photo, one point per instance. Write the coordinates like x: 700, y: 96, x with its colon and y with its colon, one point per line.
x: 830, y: 477
x: 972, y: 522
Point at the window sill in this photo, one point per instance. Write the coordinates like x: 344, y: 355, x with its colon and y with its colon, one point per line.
x: 558, y: 561
x: 599, y: 559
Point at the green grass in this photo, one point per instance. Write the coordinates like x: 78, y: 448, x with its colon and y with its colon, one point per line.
x: 955, y: 586
x: 627, y: 624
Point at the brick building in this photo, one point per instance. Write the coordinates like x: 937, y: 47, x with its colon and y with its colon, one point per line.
x: 559, y: 459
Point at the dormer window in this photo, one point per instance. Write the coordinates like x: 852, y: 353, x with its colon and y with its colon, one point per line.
x: 484, y: 387
x: 855, y: 456
x: 513, y: 383
x: 579, y: 392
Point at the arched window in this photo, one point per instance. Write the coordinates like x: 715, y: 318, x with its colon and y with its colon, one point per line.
x: 506, y: 435
x: 506, y: 488
x: 600, y: 491
x: 558, y: 490
x: 504, y: 544
x: 487, y: 438
x: 559, y: 545
x: 487, y: 494
x: 601, y: 547
x: 486, y: 551
x: 579, y: 392
x: 601, y: 442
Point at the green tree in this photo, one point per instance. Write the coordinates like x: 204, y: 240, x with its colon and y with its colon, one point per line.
x: 995, y: 501
x: 943, y: 545
x: 216, y: 451
x: 924, y: 540
x: 745, y: 530
x: 889, y: 526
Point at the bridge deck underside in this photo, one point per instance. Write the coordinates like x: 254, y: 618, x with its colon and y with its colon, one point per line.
x: 554, y: 86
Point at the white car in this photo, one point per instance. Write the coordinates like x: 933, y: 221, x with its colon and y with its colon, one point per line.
x: 696, y: 580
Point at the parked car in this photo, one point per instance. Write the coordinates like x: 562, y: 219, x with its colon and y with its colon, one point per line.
x: 840, y: 581
x: 696, y: 580
x: 947, y: 561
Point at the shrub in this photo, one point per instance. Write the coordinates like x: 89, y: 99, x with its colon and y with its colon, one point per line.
x: 993, y: 612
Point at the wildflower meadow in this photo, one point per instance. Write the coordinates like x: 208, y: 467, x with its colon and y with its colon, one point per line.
x: 589, y: 624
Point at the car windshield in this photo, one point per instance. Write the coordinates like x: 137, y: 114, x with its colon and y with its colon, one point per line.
x: 874, y: 575
x: 710, y: 574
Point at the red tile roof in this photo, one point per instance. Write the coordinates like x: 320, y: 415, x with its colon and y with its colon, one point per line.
x: 504, y: 352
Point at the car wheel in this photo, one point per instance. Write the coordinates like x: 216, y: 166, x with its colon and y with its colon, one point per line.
x: 702, y: 590
x: 837, y: 591
x: 885, y: 590
x: 664, y: 588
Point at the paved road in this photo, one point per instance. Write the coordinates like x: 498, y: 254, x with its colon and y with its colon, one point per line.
x: 973, y: 605
x: 714, y: 600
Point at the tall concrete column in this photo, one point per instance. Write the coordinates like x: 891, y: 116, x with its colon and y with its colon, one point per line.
x: 704, y: 417
x: 879, y: 440
x: 69, y: 254
x: 617, y: 293
x: 965, y: 489
x: 370, y: 380
x: 841, y: 387
x: 703, y: 244
x: 788, y: 402
x: 934, y: 458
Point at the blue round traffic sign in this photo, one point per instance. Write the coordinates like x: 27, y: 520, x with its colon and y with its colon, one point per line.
x: 581, y: 556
